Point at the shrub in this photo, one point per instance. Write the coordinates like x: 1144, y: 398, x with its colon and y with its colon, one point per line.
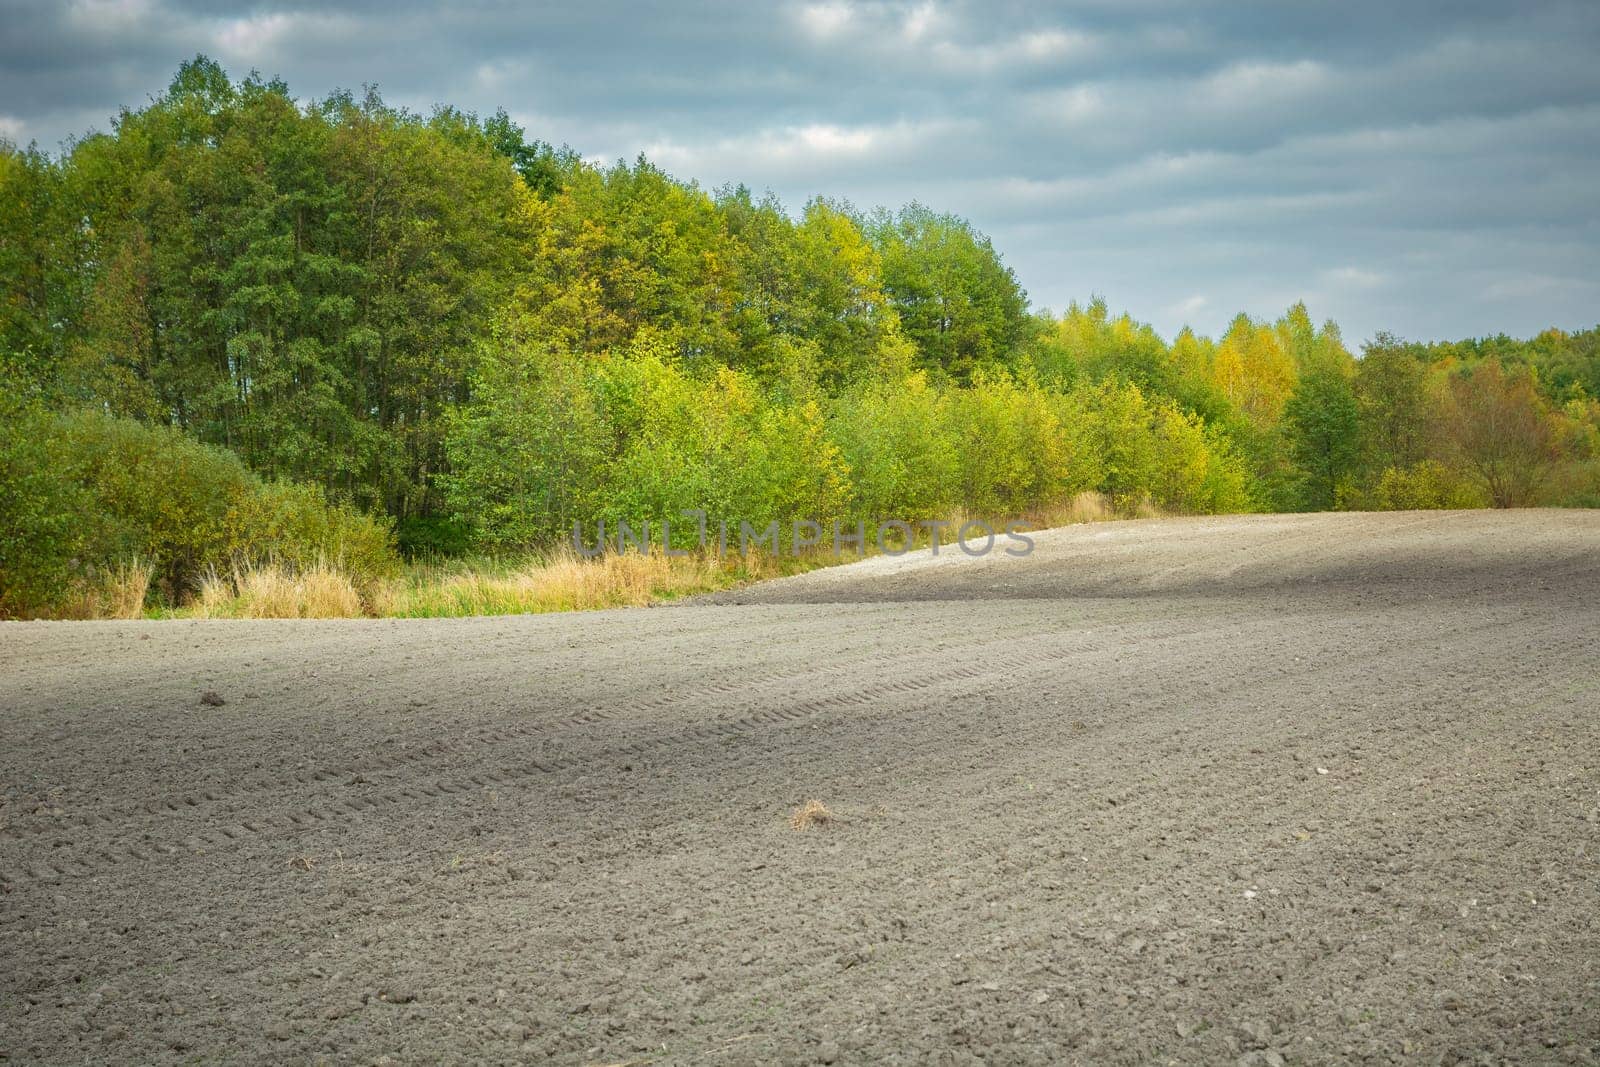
x: 718, y: 445
x: 1015, y: 449
x: 1427, y: 485
x: 293, y: 524
x: 43, y: 512
x: 1120, y: 428
x: 1197, y: 471
x: 433, y: 537
x: 87, y: 493
x: 156, y: 494
x: 895, y: 438
x: 526, y: 453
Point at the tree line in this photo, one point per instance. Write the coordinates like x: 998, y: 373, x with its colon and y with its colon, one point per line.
x: 480, y: 338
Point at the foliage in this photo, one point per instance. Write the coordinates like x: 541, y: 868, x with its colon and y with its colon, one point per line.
x: 956, y: 300
x: 1428, y: 485
x: 1392, y: 398
x: 525, y: 452
x: 1502, y: 432
x: 893, y: 437
x: 42, y: 512
x: 87, y: 492
x: 1322, y: 421
x: 300, y: 285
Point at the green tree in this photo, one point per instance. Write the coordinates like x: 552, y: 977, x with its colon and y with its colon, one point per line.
x: 305, y: 286
x: 526, y: 452
x: 957, y: 301
x: 1392, y: 397
x: 1121, y: 434
x: 1500, y: 430
x: 1323, y: 426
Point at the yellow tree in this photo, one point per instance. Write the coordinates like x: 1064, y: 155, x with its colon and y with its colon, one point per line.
x: 1254, y: 371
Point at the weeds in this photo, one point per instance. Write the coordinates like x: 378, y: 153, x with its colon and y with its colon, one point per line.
x: 117, y: 593
x: 811, y: 813
x: 275, y: 591
x: 558, y: 582
x: 555, y: 581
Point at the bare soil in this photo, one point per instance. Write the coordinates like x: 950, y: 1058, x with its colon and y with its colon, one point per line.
x: 1303, y: 789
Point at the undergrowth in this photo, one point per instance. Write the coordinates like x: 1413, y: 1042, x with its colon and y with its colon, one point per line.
x: 510, y: 585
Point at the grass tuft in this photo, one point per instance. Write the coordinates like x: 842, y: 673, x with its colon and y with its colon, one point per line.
x: 811, y: 813
x: 1085, y: 507
x: 117, y: 593
x: 273, y: 591
x: 558, y: 582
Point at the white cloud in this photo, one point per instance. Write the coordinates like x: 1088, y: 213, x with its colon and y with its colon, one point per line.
x: 919, y: 22
x: 272, y: 37
x: 777, y: 156
x: 1031, y: 48
x: 827, y: 20
x: 1076, y: 104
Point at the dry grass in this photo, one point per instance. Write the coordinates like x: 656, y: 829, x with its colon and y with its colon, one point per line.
x: 126, y: 588
x: 1085, y: 507
x: 271, y: 591
x: 119, y: 593
x: 811, y: 813
x: 560, y: 582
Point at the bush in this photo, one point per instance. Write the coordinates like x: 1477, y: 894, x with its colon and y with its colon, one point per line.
x: 42, y: 513
x: 1197, y: 471
x: 1425, y: 486
x: 526, y: 453
x: 1016, y: 448
x: 156, y: 495
x: 434, y: 537
x: 718, y: 445
x: 88, y: 496
x: 1120, y: 428
x: 894, y: 436
x: 294, y: 525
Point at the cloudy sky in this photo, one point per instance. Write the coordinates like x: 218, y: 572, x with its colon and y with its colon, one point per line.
x: 1428, y: 168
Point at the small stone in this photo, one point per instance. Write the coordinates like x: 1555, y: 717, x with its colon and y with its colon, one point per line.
x: 1258, y: 1031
